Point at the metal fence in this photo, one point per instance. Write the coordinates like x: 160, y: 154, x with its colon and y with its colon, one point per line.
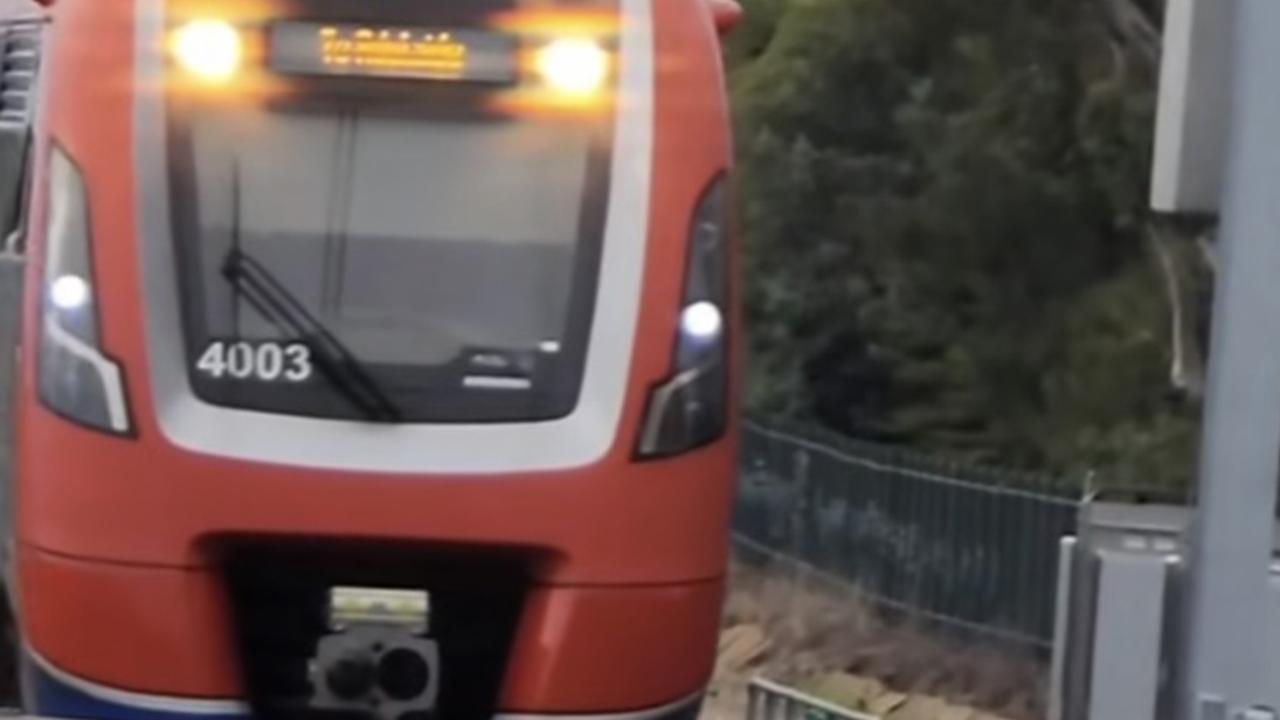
x: 770, y: 701
x: 969, y: 547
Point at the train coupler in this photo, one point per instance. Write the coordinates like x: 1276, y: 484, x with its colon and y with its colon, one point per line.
x: 377, y: 658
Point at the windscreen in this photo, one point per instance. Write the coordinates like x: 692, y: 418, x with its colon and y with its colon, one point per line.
x: 386, y: 248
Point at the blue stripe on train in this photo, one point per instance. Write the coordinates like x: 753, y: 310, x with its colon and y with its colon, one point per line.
x: 50, y: 697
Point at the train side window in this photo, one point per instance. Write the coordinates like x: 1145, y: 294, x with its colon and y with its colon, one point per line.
x: 19, y: 59
x: 15, y: 181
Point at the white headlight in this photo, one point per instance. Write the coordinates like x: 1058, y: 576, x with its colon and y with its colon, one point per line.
x: 69, y: 292
x: 574, y: 66
x: 208, y: 49
x: 701, y: 321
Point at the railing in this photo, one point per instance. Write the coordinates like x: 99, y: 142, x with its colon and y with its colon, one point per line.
x: 969, y: 547
x: 771, y: 701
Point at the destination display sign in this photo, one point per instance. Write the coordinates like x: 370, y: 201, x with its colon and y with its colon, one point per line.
x: 407, y: 52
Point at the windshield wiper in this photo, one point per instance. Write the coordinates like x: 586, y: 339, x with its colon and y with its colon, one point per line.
x: 336, y: 362
x: 273, y: 301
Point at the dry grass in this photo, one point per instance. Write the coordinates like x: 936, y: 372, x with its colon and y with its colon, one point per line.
x: 802, y: 625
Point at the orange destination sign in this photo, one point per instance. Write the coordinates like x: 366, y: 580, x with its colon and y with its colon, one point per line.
x: 421, y: 53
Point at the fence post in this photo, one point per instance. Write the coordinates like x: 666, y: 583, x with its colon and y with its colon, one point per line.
x: 799, y: 510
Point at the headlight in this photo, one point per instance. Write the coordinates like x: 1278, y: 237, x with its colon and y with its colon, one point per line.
x: 75, y: 379
x: 573, y: 66
x: 690, y: 409
x: 210, y: 50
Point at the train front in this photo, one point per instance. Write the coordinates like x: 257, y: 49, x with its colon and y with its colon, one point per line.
x: 379, y: 360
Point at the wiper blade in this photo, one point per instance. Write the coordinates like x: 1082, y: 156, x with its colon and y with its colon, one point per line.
x: 273, y: 301
x: 335, y: 361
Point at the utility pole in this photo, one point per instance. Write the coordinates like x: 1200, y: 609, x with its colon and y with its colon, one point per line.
x: 1222, y: 669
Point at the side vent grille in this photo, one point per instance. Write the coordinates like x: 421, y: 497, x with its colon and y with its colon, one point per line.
x: 19, y: 60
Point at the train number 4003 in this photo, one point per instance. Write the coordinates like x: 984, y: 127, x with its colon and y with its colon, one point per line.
x: 262, y: 361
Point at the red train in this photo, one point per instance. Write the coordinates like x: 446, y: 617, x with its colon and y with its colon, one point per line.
x: 373, y: 358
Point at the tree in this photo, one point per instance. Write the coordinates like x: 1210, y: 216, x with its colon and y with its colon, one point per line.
x: 947, y: 240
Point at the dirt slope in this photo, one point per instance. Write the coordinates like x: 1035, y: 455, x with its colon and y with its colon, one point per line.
x: 787, y: 625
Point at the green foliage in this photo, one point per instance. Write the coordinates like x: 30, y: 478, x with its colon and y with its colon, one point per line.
x: 944, y: 204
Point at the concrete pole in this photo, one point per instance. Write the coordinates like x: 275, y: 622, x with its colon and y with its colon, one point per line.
x: 1222, y: 673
